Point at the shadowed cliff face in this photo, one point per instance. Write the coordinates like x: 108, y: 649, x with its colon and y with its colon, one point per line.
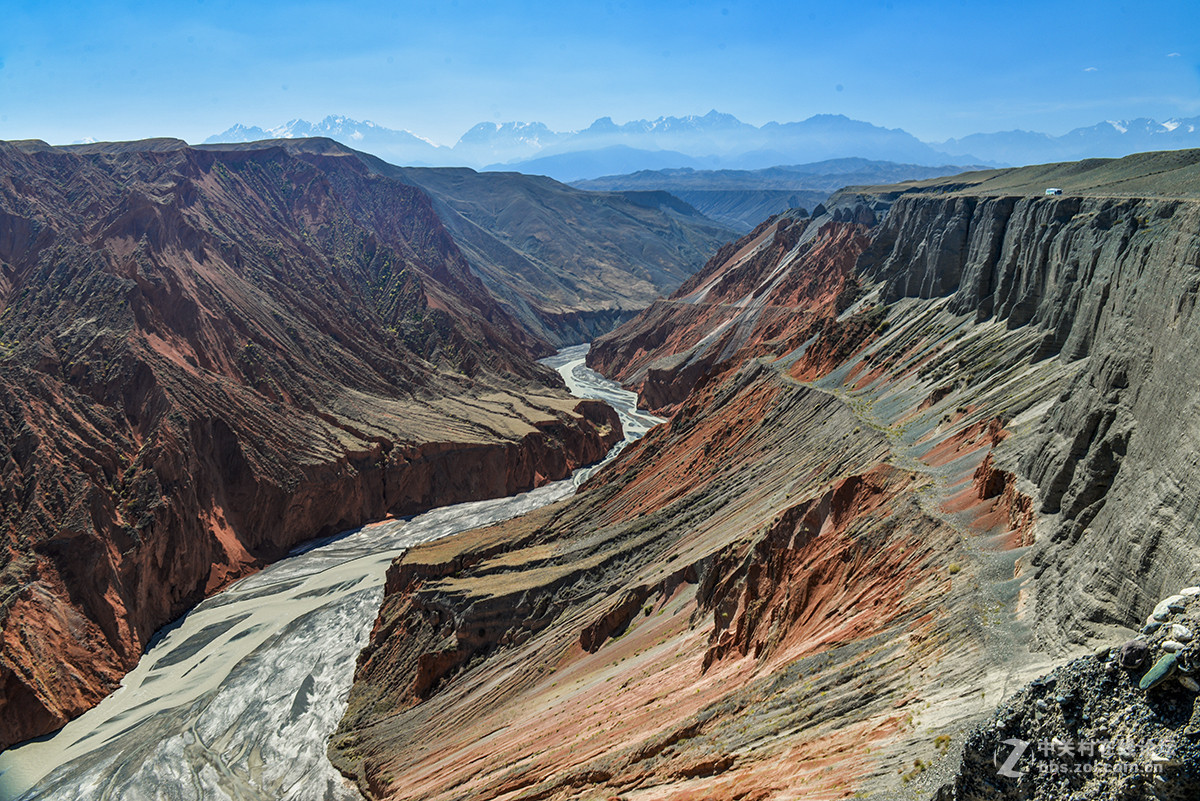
x: 208, y: 357
x: 901, y: 466
x: 1109, y: 287
x: 568, y: 264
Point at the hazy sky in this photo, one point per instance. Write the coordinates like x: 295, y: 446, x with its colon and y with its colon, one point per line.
x: 936, y: 69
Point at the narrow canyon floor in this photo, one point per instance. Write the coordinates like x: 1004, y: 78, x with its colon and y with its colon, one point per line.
x: 237, y: 699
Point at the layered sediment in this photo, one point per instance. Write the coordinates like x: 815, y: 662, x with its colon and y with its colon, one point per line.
x: 207, y: 357
x: 672, y: 628
x: 568, y: 264
x: 739, y: 305
x: 903, y: 459
x: 1108, y: 285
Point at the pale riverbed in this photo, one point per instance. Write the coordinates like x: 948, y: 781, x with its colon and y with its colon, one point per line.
x: 237, y: 699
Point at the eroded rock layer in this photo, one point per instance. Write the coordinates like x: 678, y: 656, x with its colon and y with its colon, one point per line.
x: 806, y: 546
x: 670, y: 629
x: 208, y: 357
x: 911, y: 463
x: 784, y: 282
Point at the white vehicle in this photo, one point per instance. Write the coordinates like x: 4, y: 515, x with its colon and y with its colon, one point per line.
x: 1053, y: 191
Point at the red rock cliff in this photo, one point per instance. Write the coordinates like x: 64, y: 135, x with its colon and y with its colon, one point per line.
x: 208, y: 357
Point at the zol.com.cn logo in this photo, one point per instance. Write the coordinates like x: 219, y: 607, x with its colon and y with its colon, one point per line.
x: 1008, y: 766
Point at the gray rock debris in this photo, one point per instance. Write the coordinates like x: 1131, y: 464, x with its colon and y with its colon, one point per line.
x: 1119, y: 725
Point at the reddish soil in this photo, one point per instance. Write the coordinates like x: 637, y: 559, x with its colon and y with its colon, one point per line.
x: 207, y: 358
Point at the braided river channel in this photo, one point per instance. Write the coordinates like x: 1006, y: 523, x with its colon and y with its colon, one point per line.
x: 238, y: 698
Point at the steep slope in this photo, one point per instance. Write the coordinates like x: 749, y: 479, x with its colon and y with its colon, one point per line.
x: 1067, y: 270
x: 758, y: 588
x: 568, y: 264
x: 895, y: 493
x: 1109, y: 284
x: 670, y: 633
x: 208, y: 356
x: 788, y: 278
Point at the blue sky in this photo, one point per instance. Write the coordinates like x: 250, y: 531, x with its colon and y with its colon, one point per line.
x: 936, y: 69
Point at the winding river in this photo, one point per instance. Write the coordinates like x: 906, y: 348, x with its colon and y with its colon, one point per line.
x: 238, y: 698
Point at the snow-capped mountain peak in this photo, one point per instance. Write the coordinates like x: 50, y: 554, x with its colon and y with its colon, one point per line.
x: 716, y: 139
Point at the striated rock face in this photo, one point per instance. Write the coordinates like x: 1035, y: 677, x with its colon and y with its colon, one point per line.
x: 961, y: 450
x: 745, y: 598
x: 669, y: 627
x: 207, y: 357
x: 768, y: 292
x: 1110, y: 286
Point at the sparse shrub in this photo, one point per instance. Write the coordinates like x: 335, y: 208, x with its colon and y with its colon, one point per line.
x: 917, y: 769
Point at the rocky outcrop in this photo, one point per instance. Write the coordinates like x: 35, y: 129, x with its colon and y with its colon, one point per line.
x: 207, y: 357
x: 991, y: 482
x: 1121, y: 723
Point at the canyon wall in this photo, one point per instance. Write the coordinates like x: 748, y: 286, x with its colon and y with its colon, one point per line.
x: 1110, y: 287
x: 207, y: 357
x: 567, y: 264
x: 669, y: 632
x: 740, y: 304
x: 757, y: 597
x: 910, y: 465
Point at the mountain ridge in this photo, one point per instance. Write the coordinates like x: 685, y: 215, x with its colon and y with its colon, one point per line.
x: 716, y: 140
x: 566, y: 263
x: 744, y: 198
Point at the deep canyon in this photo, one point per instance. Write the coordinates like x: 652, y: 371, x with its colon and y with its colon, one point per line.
x: 237, y: 699
x: 208, y: 356
x: 922, y: 446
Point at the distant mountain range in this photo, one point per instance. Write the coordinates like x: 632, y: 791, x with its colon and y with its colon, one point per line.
x: 720, y: 141
x: 713, y: 141
x: 742, y: 199
x: 1109, y: 139
x: 398, y: 147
